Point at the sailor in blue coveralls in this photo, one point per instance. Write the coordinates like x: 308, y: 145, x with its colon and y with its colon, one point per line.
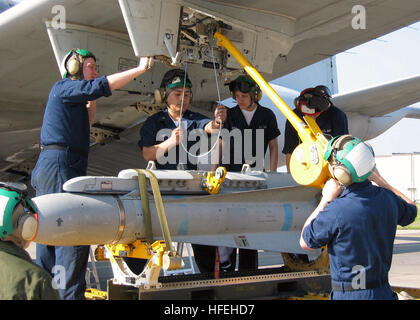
x: 316, y: 103
x: 65, y: 136
x: 259, y: 131
x: 358, y: 224
x: 163, y: 140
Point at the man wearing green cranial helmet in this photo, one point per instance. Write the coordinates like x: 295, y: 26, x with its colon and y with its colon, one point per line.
x: 164, y: 135
x: 65, y: 140
x: 357, y: 221
x: 175, y: 92
x: 72, y: 63
x: 20, y: 278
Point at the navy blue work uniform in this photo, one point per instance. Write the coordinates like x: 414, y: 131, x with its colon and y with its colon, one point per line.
x: 65, y: 136
x: 264, y: 119
x: 158, y: 128
x: 332, y: 122
x: 149, y: 133
x: 359, y: 228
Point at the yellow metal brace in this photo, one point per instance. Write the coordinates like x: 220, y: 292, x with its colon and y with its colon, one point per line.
x: 138, y: 249
x: 214, y: 181
x: 307, y: 164
x: 95, y: 294
x: 160, y: 254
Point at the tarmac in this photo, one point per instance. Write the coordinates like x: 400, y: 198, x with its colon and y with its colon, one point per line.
x: 405, y: 268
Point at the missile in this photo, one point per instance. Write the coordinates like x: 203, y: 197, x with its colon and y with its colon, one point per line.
x: 255, y: 211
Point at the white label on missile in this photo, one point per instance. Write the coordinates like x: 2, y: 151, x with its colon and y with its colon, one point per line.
x: 3, y: 203
x: 241, y: 241
x: 106, y: 185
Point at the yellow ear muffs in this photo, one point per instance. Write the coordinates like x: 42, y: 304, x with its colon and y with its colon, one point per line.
x: 160, y: 95
x: 338, y: 170
x: 73, y: 66
x: 28, y: 227
x: 257, y: 94
x: 341, y: 142
x: 341, y: 174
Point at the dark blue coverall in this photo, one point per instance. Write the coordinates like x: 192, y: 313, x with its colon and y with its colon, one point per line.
x: 332, y: 122
x: 65, y: 135
x: 157, y: 123
x: 149, y: 137
x: 264, y: 119
x: 359, y: 228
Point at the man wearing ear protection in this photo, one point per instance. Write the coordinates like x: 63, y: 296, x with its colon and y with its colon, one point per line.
x: 175, y: 92
x: 247, y: 115
x: 65, y: 138
x: 20, y: 278
x: 357, y: 221
x: 316, y: 103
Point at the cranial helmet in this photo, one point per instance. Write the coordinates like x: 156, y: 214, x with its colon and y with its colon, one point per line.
x: 17, y: 212
x: 73, y: 63
x: 172, y: 79
x: 350, y: 159
x: 245, y: 84
x: 313, y: 101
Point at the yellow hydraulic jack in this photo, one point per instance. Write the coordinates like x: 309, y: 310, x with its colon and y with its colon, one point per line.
x: 157, y: 254
x: 307, y: 164
x: 160, y: 254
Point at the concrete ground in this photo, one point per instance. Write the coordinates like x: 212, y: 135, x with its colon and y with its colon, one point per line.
x: 405, y: 268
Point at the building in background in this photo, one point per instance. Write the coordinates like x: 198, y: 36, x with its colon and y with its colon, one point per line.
x: 402, y: 171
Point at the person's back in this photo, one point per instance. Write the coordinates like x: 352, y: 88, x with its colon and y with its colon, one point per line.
x: 20, y: 278
x: 358, y: 224
x: 366, y: 218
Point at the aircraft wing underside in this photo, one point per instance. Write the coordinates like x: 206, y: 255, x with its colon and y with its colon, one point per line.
x: 277, y: 36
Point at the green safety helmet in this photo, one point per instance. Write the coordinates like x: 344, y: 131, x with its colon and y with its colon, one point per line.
x: 172, y: 79
x: 12, y: 195
x: 72, y: 63
x: 351, y: 160
x: 245, y: 84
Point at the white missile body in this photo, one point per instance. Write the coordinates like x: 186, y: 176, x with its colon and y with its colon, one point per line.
x: 253, y: 210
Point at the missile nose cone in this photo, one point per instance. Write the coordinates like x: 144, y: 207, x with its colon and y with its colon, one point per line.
x: 68, y: 219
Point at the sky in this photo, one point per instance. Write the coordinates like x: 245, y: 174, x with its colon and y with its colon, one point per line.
x: 388, y: 58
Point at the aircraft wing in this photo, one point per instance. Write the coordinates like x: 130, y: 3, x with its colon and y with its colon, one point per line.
x: 380, y: 100
x: 277, y: 36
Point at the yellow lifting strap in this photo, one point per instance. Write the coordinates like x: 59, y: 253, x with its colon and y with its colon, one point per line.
x: 147, y: 218
x: 159, y: 206
x: 308, y: 167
